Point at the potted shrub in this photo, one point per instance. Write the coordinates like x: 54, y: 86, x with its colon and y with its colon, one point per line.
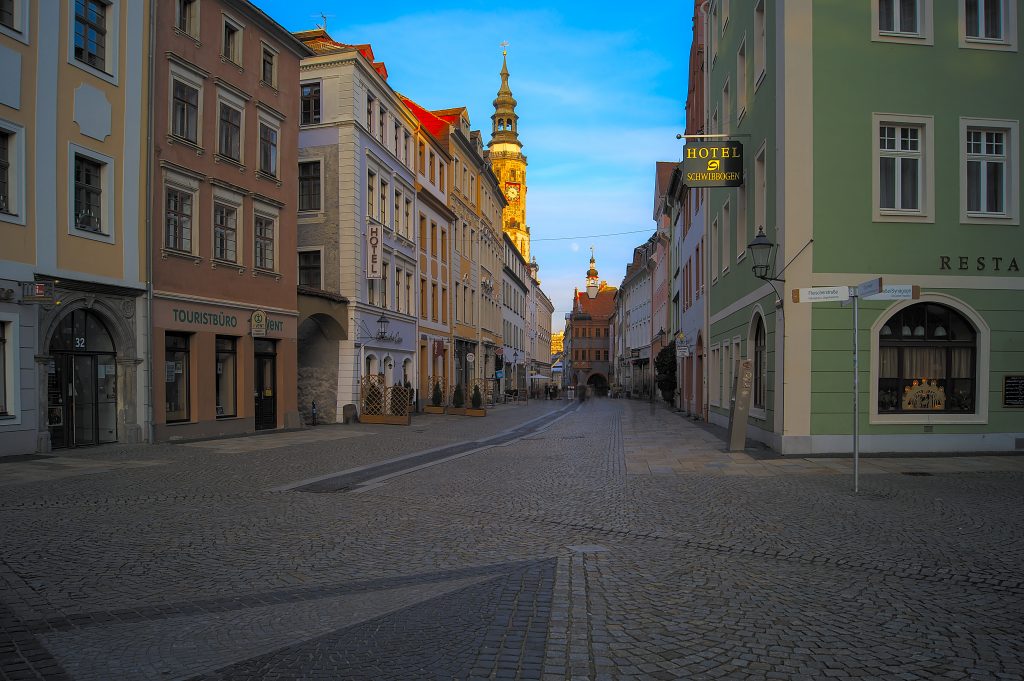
x: 436, y: 398
x: 477, y: 401
x: 458, y: 401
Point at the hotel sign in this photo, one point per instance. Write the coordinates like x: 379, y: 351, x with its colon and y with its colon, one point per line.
x: 374, y: 250
x: 713, y: 164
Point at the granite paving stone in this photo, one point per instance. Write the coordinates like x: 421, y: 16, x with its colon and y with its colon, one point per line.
x: 609, y: 539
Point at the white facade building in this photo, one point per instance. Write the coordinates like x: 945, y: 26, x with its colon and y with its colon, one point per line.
x: 357, y: 139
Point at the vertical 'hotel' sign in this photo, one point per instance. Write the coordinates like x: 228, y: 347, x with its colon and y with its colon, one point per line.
x: 713, y: 164
x: 374, y: 250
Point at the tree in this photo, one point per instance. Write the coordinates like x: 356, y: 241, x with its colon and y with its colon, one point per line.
x: 458, y: 398
x: 665, y: 365
x: 436, y: 397
x: 477, y: 398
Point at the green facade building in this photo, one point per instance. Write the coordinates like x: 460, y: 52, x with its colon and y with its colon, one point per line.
x: 881, y: 139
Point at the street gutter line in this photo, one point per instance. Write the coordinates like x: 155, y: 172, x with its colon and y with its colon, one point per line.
x: 377, y: 464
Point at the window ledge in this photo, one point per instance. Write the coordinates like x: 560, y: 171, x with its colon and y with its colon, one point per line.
x: 987, y: 44
x: 926, y: 419
x: 231, y: 62
x: 216, y: 262
x: 899, y: 216
x: 171, y: 253
x: 174, y: 139
x: 221, y: 158
x: 759, y: 79
x: 256, y: 271
x: 186, y: 34
x: 94, y: 70
x: 264, y: 175
x: 759, y: 414
x: 230, y: 417
x: 271, y: 86
x: 12, y: 218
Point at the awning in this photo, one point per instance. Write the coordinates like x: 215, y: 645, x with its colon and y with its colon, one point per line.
x: 539, y: 377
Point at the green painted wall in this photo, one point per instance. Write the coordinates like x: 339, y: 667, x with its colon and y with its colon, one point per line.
x: 854, y: 77
x: 754, y: 128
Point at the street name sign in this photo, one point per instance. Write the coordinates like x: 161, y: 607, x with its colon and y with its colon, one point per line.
x: 869, y: 287
x: 897, y: 292
x: 821, y: 294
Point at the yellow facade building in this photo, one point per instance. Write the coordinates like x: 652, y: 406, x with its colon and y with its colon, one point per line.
x: 73, y: 125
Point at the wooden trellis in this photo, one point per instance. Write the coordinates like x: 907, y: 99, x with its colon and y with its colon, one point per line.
x: 445, y: 391
x: 381, y: 403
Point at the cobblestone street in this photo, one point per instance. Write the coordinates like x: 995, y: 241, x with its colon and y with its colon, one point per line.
x: 598, y: 540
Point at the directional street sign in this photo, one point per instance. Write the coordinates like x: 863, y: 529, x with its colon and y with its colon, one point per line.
x: 869, y: 287
x: 821, y: 294
x: 897, y: 292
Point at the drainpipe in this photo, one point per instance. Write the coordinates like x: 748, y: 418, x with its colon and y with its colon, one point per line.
x: 705, y: 239
x: 149, y: 389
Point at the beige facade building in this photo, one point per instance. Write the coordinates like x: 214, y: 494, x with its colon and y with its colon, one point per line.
x: 73, y: 125
x: 224, y: 196
x: 435, y: 220
x: 477, y: 202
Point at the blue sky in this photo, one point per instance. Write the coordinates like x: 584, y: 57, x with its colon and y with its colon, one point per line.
x: 601, y: 88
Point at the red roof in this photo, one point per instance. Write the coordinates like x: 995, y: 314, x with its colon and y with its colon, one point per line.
x: 435, y: 126
x: 602, y: 306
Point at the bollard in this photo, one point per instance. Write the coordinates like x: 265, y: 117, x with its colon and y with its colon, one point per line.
x: 314, y: 412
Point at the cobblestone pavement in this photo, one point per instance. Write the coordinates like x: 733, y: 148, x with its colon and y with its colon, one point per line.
x: 604, y: 540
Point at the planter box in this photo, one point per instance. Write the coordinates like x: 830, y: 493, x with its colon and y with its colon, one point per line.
x: 386, y: 419
x: 431, y: 409
x: 456, y: 411
x: 470, y: 411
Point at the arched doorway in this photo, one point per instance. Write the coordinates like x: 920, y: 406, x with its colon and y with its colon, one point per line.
x: 81, y: 382
x: 598, y: 385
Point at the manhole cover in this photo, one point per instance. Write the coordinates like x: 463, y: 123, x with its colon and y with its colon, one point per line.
x: 917, y: 473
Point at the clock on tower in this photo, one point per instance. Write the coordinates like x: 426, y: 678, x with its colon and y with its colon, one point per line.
x: 512, y: 192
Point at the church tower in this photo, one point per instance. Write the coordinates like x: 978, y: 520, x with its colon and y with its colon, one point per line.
x: 505, y: 153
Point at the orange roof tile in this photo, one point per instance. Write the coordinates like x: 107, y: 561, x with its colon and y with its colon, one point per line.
x: 435, y: 125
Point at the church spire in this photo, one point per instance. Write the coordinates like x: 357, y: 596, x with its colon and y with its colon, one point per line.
x: 505, y: 121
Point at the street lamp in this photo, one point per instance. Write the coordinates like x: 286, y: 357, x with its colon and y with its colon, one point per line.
x: 382, y: 327
x: 761, y: 254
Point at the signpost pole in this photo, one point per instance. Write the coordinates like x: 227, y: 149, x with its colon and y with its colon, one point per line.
x: 856, y: 393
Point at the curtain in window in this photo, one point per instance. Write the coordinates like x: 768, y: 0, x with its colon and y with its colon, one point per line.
x: 924, y: 363
x: 962, y: 363
x: 888, y: 362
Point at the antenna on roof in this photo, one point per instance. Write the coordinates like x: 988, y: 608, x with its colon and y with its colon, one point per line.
x: 324, y: 18
x: 504, y: 44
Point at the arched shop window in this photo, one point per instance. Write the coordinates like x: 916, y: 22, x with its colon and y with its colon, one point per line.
x: 927, y: 360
